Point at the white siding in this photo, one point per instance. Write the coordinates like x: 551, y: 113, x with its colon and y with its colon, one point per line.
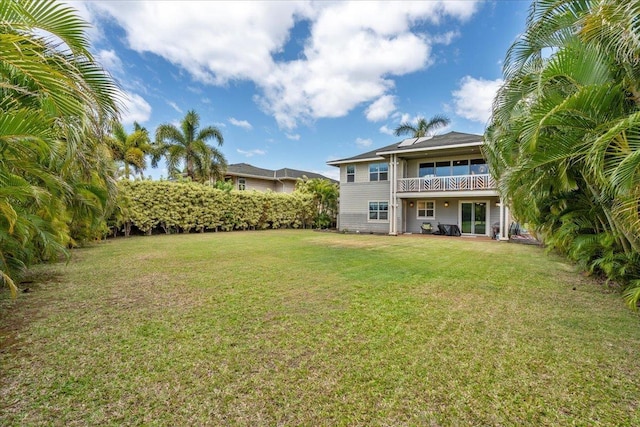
x: 354, y: 205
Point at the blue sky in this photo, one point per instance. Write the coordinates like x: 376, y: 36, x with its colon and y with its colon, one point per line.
x: 296, y: 84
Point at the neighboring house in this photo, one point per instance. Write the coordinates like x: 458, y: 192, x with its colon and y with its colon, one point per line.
x: 441, y: 179
x: 248, y: 177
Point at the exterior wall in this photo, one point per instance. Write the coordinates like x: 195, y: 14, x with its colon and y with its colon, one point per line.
x: 362, y: 173
x: 355, y: 198
x: 257, y: 184
x: 446, y: 215
x: 354, y: 205
x: 285, y: 186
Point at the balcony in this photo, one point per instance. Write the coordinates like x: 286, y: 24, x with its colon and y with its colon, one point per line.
x: 446, y: 183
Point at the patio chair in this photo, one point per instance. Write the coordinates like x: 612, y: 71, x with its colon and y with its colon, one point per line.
x: 426, y: 228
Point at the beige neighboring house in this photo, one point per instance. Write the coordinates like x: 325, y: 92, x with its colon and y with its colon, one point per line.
x: 248, y: 177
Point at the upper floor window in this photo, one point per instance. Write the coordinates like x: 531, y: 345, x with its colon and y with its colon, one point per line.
x: 426, y: 169
x: 443, y: 168
x: 426, y: 209
x: 242, y: 184
x: 478, y: 167
x: 378, y: 211
x: 351, y: 173
x: 378, y: 172
x: 460, y: 167
x: 453, y: 168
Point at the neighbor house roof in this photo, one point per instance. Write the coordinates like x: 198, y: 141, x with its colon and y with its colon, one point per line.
x: 250, y: 171
x: 448, y: 140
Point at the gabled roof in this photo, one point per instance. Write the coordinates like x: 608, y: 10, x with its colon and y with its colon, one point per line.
x: 247, y: 170
x: 448, y: 140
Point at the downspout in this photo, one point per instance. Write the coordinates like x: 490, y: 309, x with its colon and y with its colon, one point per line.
x: 393, y: 207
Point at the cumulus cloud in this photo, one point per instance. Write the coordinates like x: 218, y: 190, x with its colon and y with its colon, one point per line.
x: 351, y: 56
x: 251, y: 153
x: 386, y: 130
x: 474, y: 97
x: 109, y: 61
x: 381, y: 108
x: 240, y: 123
x: 363, y: 143
x: 134, y: 108
x: 293, y: 137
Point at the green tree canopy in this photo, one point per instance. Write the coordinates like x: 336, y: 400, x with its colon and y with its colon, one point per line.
x: 423, y: 128
x: 188, y: 146
x: 564, y: 138
x: 130, y: 149
x: 55, y: 170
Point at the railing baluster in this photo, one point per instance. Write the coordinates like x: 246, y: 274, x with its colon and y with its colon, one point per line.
x: 446, y: 183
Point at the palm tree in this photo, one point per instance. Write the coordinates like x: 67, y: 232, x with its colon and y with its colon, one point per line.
x: 564, y: 138
x: 188, y: 146
x: 423, y: 127
x: 130, y: 149
x: 53, y: 97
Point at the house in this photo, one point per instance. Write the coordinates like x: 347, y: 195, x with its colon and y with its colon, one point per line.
x: 248, y: 177
x: 442, y: 179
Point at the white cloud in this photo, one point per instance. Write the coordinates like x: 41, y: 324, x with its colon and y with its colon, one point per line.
x: 381, y: 108
x: 109, y: 61
x: 474, y: 98
x: 174, y: 106
x: 240, y: 123
x: 385, y: 129
x: 220, y: 124
x: 251, y: 153
x: 352, y: 55
x: 294, y: 137
x: 445, y: 38
x: 134, y: 108
x: 333, y: 173
x: 363, y: 143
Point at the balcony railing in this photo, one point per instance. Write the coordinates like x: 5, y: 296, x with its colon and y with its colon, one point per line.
x: 446, y: 183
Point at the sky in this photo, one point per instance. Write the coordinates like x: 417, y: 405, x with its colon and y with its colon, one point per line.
x: 294, y: 84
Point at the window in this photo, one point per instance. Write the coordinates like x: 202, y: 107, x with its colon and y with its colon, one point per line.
x: 351, y: 173
x: 460, y: 167
x: 378, y: 211
x: 426, y: 209
x: 426, y: 169
x: 443, y: 168
x: 479, y: 167
x: 242, y: 184
x: 378, y: 172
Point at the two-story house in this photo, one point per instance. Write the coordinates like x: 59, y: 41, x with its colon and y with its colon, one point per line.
x: 248, y: 177
x: 442, y: 179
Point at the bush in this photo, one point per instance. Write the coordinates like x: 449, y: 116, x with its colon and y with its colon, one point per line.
x: 165, y: 206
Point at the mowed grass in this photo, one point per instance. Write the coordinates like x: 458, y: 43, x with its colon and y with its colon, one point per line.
x: 307, y: 328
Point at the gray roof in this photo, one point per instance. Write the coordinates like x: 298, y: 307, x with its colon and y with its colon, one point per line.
x: 245, y: 169
x: 412, y: 144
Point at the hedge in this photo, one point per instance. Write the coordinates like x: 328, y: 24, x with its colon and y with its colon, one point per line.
x: 182, y: 207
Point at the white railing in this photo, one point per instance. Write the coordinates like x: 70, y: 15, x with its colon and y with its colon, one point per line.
x: 446, y: 183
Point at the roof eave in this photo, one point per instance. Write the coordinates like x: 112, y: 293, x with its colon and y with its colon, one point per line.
x: 345, y: 161
x: 440, y: 147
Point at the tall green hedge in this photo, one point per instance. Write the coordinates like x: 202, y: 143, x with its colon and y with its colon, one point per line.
x: 183, y: 207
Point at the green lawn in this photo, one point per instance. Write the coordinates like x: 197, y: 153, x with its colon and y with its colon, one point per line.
x: 307, y: 328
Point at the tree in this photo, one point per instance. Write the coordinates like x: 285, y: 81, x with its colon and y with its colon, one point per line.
x: 188, y: 146
x: 130, y: 149
x: 423, y: 127
x: 53, y: 99
x: 325, y: 195
x: 564, y: 138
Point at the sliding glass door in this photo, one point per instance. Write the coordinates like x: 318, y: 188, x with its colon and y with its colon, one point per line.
x: 474, y: 217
